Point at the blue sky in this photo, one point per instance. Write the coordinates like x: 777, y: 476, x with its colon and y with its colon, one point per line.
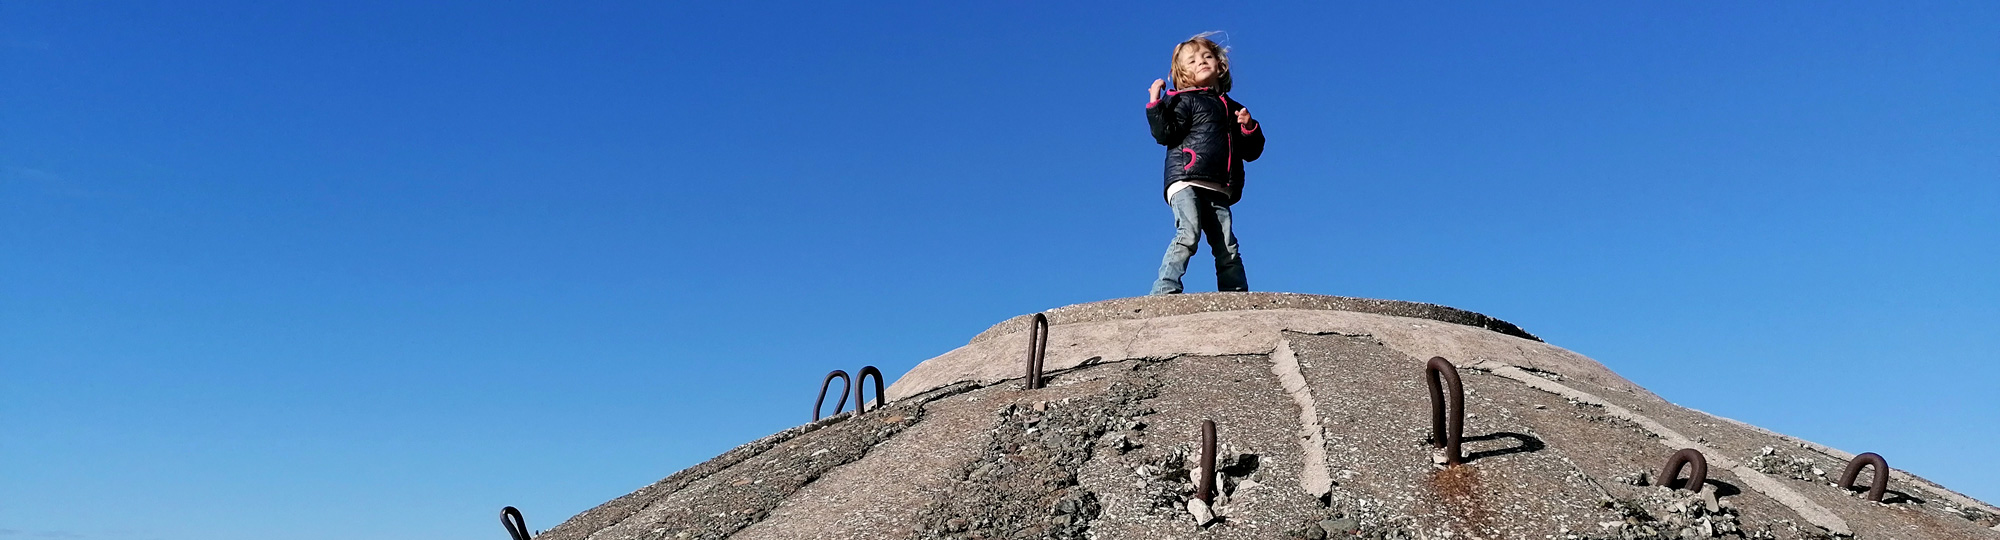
x: 312, y: 270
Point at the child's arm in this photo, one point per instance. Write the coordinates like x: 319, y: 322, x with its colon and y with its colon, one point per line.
x: 1167, y: 128
x: 1249, y: 135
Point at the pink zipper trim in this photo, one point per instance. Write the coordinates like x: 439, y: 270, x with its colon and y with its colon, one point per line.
x: 1230, y: 141
x: 1191, y: 157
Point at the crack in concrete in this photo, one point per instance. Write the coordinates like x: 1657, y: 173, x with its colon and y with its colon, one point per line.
x: 1315, y: 479
x: 1807, y: 509
x: 1144, y: 324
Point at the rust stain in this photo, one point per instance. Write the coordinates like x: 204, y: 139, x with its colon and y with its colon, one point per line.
x: 1458, y: 491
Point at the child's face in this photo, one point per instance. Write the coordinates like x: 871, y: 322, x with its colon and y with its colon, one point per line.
x: 1199, y: 65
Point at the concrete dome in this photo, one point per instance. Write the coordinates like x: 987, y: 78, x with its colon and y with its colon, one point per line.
x: 1323, y: 426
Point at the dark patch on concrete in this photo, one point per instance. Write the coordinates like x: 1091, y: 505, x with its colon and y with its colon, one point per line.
x: 742, y: 493
x: 617, y: 510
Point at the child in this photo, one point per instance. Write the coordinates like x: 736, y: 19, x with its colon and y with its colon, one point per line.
x: 1208, y: 137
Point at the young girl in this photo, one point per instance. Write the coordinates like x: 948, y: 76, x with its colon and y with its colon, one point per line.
x: 1208, y: 137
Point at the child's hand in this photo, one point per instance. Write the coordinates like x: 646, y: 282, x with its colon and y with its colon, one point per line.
x: 1158, y: 85
x: 1243, y: 117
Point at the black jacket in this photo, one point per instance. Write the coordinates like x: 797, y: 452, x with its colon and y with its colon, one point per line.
x: 1204, y: 143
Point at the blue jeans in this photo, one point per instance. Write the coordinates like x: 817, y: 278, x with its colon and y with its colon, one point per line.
x: 1197, y: 212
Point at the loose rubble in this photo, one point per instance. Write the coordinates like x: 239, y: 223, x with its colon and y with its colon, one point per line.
x: 1771, y: 461
x: 1353, y: 519
x: 1079, y: 460
x: 1024, y: 485
x: 1665, y: 514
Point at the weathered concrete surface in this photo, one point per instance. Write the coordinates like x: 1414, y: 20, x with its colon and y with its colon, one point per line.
x: 1153, y: 307
x: 1097, y: 335
x: 1376, y: 411
x: 1323, y: 425
x: 1147, y: 489
x: 869, y: 499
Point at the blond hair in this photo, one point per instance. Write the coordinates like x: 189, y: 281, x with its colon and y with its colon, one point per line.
x: 1222, y: 78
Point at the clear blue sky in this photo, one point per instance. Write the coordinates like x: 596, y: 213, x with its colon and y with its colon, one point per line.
x: 289, y: 270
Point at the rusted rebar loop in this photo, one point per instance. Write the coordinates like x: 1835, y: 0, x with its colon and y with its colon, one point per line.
x: 1876, y: 487
x: 861, y: 378
x: 837, y: 405
x: 1697, y: 469
x: 1443, y: 435
x: 1204, y: 487
x: 516, y: 527
x: 1038, y: 347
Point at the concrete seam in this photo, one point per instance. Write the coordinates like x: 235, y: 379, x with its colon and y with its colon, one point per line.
x: 762, y: 445
x: 770, y: 442
x: 1896, y: 474
x: 1315, y: 479
x: 1601, y: 492
x: 1807, y: 509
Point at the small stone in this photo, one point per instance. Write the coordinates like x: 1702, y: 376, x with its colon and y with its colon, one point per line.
x: 1202, y: 515
x: 1341, y: 526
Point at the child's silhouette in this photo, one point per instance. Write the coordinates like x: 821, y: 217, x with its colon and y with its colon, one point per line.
x: 1208, y: 137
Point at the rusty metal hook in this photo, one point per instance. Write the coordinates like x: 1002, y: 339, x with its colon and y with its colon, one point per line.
x: 1876, y: 487
x: 860, y: 378
x: 1038, y: 347
x: 1443, y: 435
x: 510, y: 517
x: 1204, y: 487
x: 838, y: 405
x: 1696, y: 464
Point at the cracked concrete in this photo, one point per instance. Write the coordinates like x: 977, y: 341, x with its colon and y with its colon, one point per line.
x: 1314, y: 479
x: 1323, y: 421
x: 1673, y: 440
